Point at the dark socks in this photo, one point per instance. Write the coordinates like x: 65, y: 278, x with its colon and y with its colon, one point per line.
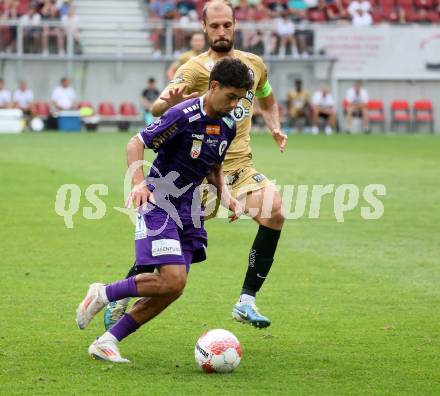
x: 260, y: 259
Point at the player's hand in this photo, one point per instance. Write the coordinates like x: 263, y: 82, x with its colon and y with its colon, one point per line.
x: 176, y: 95
x: 236, y: 208
x: 140, y: 195
x: 280, y: 138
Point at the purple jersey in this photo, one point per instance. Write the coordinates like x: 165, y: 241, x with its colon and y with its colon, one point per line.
x: 188, y: 141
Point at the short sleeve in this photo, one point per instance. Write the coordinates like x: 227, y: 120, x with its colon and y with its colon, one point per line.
x: 263, y: 82
x: 185, y: 75
x: 163, y: 129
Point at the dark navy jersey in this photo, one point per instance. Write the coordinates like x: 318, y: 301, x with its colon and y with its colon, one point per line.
x: 188, y: 141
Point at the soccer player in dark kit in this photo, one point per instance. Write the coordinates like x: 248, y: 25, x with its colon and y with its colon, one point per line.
x: 191, y: 140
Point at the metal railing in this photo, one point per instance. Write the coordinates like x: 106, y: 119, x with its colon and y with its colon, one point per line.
x: 165, y: 33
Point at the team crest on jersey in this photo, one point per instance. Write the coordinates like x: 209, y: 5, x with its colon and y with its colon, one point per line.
x: 222, y: 147
x: 196, y: 149
x: 177, y: 80
x: 154, y: 125
x: 244, y: 106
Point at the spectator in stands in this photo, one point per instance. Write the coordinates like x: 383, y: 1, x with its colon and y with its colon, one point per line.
x: 362, y: 18
x: 253, y: 39
x: 49, y: 13
x: 286, y: 34
x: 276, y: 7
x: 355, y: 5
x: 323, y: 107
x: 356, y: 100
x: 197, y: 44
x: 31, y: 30
x: 63, y: 96
x: 335, y: 10
x: 5, y: 96
x: 23, y: 99
x: 70, y: 23
x: 63, y: 7
x: 159, y: 10
x: 149, y: 95
x: 298, y: 105
x: 8, y: 34
x: 298, y: 9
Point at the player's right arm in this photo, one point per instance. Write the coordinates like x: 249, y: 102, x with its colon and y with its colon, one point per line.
x: 174, y: 92
x: 140, y: 194
x: 154, y: 136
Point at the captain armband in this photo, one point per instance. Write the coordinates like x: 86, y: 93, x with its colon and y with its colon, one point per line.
x: 264, y: 91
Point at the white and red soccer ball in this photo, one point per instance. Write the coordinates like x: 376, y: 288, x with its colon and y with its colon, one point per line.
x: 218, y: 351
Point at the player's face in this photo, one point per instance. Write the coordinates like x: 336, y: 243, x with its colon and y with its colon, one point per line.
x: 225, y: 99
x: 219, y: 27
x: 198, y: 42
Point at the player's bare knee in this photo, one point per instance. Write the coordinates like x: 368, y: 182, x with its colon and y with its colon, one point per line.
x: 176, y: 286
x: 173, y: 282
x: 277, y: 215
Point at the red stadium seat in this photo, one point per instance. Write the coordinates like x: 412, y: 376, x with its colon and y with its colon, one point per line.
x: 400, y: 114
x: 128, y: 113
x: 428, y: 4
x: 128, y: 109
x: 107, y: 110
x: 405, y: 4
x: 42, y: 109
x: 423, y: 114
x: 434, y: 16
x: 316, y: 16
x: 376, y: 113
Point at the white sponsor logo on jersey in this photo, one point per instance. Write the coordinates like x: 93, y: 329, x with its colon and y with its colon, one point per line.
x: 222, y: 147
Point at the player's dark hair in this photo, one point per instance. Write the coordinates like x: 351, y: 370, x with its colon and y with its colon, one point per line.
x: 207, y: 4
x: 232, y: 72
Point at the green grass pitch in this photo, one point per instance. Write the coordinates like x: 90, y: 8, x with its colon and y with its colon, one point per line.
x: 355, y: 305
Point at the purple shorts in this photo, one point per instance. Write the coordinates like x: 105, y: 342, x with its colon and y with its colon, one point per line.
x: 159, y: 240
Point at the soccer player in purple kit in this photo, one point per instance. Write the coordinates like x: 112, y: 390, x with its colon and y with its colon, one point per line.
x: 191, y: 140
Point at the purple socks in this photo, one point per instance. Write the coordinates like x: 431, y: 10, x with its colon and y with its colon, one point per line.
x: 124, y: 327
x: 121, y: 289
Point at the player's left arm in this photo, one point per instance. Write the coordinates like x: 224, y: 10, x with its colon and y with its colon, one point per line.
x: 271, y: 115
x: 217, y: 179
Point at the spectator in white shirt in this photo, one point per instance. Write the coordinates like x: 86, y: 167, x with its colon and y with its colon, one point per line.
x: 5, y: 96
x: 357, y: 103
x: 63, y: 96
x: 23, y: 99
x: 286, y: 34
x: 70, y: 22
x: 355, y: 5
x: 323, y: 107
x: 31, y: 29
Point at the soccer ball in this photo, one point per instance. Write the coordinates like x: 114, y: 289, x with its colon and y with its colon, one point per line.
x: 218, y: 351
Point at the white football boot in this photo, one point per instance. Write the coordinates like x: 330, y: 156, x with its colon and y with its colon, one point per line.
x: 106, y: 349
x: 94, y: 301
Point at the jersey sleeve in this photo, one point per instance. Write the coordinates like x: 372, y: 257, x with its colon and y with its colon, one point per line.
x: 163, y: 129
x: 263, y: 87
x: 185, y: 75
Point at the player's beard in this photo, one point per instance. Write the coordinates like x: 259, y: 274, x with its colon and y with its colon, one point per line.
x: 224, y: 45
